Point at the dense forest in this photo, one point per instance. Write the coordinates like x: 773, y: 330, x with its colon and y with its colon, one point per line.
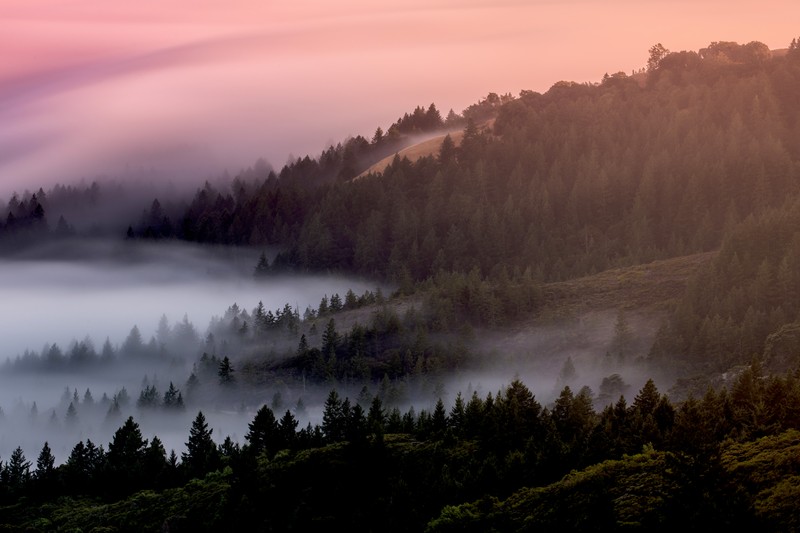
x: 649, y: 465
x: 697, y: 155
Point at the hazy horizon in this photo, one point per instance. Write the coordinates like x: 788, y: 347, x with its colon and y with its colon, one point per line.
x: 90, y: 88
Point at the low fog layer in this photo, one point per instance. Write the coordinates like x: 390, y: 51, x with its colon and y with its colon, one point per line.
x: 88, y: 292
x: 52, y: 300
x: 93, y: 291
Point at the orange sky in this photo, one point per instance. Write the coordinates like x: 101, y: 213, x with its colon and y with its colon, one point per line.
x: 194, y: 86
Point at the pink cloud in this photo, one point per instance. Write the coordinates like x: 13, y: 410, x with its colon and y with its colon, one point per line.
x: 89, y: 86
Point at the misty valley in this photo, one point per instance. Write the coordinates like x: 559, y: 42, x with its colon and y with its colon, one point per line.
x: 111, y: 320
x: 570, y: 310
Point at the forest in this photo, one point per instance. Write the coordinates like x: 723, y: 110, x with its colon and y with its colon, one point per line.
x: 681, y: 182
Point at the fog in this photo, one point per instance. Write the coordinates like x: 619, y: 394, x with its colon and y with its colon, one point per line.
x: 547, y: 355
x: 106, y: 288
x: 85, y: 297
x: 89, y: 291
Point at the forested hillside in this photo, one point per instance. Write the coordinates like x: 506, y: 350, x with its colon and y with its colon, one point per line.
x: 572, y: 182
x: 566, y: 183
x: 676, y: 190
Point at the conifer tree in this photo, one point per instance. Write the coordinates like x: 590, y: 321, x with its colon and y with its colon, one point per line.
x: 261, y: 434
x: 225, y: 372
x: 17, y: 471
x: 201, y: 454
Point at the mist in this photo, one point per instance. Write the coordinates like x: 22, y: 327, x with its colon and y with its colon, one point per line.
x: 81, y: 295
x: 547, y: 355
x: 105, y: 288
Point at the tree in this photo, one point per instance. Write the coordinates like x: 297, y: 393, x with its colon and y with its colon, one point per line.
x: 45, y: 464
x: 201, y: 454
x: 378, y: 138
x: 155, y: 461
x: 376, y: 417
x: 173, y: 398
x: 323, y: 306
x: 646, y: 401
x: 262, y: 268
x: 287, y: 430
x: 17, y: 471
x: 77, y: 469
x: 71, y: 418
x: 433, y: 119
x: 657, y: 53
x: 148, y: 398
x: 336, y: 303
x: 519, y: 414
x: 356, y: 425
x: 126, y: 452
x: 471, y: 142
x: 447, y: 152
x: 133, y: 345
x: 330, y: 338
x: 457, y: 415
x: 439, y: 419
x: 225, y: 372
x: 262, y: 431
x: 333, y: 419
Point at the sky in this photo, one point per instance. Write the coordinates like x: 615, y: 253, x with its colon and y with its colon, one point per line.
x: 194, y: 87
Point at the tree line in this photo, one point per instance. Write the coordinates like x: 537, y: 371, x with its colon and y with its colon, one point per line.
x: 477, y: 447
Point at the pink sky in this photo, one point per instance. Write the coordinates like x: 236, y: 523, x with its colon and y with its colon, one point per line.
x: 194, y: 86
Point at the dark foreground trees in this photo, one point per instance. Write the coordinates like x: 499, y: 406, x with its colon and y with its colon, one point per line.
x: 650, y: 464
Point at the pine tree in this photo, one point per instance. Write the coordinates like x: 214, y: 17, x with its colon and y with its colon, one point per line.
x: 71, y: 418
x: 447, y: 152
x: 201, y: 454
x: 126, y: 451
x: 261, y: 434
x: 287, y: 430
x: 17, y: 471
x: 336, y: 303
x: 45, y: 464
x: 333, y: 419
x: 376, y: 417
x: 439, y: 419
x: 173, y: 398
x: 225, y: 372
x: 458, y: 415
x: 262, y: 268
x: 330, y: 339
x: 154, y: 462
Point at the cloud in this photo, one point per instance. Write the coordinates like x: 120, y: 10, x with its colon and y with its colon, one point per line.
x: 88, y: 90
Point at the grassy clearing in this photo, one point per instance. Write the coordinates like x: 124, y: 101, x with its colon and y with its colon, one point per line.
x: 648, y: 287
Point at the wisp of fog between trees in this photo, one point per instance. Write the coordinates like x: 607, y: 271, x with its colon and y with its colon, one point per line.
x: 79, y: 301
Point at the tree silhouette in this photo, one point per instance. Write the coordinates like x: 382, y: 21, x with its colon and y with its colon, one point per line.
x: 201, y: 454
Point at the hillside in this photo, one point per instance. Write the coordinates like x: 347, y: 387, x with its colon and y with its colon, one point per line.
x: 427, y: 147
x: 654, y: 286
x: 640, y: 230
x: 421, y: 149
